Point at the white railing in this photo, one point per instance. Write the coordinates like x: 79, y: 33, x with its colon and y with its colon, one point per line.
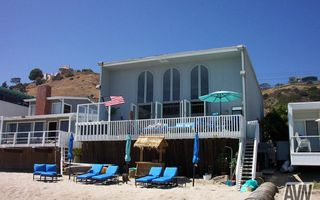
x: 33, y: 138
x: 1, y: 126
x: 240, y: 162
x: 224, y: 126
x: 305, y: 144
x: 255, y: 147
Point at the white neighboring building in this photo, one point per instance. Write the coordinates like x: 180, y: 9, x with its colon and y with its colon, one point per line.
x: 10, y: 109
x: 304, y: 133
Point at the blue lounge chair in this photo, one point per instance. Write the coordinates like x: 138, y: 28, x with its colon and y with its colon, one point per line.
x: 51, y: 171
x: 38, y: 169
x: 167, y: 178
x: 153, y: 174
x: 109, y: 175
x: 94, y: 171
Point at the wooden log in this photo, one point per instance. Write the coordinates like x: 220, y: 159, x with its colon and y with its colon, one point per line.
x: 266, y: 191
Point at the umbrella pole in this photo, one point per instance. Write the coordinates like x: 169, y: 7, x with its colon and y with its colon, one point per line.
x: 69, y: 168
x: 194, y: 171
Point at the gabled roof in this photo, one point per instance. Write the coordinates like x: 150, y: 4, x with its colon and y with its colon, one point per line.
x: 166, y: 57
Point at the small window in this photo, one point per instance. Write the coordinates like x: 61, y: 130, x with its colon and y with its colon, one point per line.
x: 67, y: 108
x: 199, y: 81
x: 24, y: 127
x: 12, y: 127
x: 64, y: 126
x: 39, y: 126
x: 56, y: 108
x: 145, y: 87
x: 171, y: 85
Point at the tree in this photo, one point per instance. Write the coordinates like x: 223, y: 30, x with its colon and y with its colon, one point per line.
x: 4, y: 84
x: 36, y: 75
x: 15, y: 80
x: 274, y: 125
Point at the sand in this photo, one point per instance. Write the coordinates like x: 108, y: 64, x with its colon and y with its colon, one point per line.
x: 21, y: 186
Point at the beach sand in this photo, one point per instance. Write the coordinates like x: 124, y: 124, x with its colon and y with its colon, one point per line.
x: 21, y: 186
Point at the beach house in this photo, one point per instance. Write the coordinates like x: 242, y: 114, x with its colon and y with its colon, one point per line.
x: 304, y: 133
x: 162, y: 99
x: 12, y: 102
x: 39, y: 136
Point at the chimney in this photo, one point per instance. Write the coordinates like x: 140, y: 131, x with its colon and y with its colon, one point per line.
x: 42, y: 104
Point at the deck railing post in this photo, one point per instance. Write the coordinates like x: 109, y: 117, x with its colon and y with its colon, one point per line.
x: 29, y: 133
x: 43, y: 138
x: 1, y: 127
x: 14, y: 139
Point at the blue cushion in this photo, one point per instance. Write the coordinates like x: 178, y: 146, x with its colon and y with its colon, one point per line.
x: 49, y: 174
x: 96, y: 168
x: 155, y: 171
x: 39, y: 167
x: 162, y: 180
x: 146, y: 179
x: 102, y: 177
x: 38, y: 172
x: 85, y: 176
x: 111, y: 171
x: 170, y: 172
x: 51, y: 168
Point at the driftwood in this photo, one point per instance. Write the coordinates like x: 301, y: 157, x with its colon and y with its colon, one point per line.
x: 266, y: 191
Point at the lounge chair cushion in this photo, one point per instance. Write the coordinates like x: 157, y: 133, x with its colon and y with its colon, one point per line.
x: 96, y: 169
x: 86, y: 176
x: 51, y: 168
x: 49, y: 174
x: 155, y: 171
x: 111, y: 172
x: 162, y: 180
x: 39, y: 168
x: 146, y: 179
x: 168, y: 175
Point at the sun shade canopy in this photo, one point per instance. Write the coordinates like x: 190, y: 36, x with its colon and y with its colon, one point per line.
x: 150, y: 142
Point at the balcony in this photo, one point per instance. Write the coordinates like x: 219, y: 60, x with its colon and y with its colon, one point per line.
x: 305, y: 150
x: 224, y: 126
x: 34, y: 139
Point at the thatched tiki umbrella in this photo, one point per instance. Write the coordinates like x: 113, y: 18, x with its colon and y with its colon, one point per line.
x: 151, y: 142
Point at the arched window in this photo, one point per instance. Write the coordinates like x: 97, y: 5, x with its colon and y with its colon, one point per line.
x: 199, y: 81
x: 171, y: 85
x: 145, y: 87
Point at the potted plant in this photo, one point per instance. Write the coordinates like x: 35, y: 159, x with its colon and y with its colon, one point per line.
x: 77, y: 153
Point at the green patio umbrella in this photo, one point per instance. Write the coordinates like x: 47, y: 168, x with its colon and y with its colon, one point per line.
x: 220, y: 96
x: 127, y: 157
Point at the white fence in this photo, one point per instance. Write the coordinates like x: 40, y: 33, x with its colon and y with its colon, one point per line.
x: 33, y: 139
x: 224, y: 126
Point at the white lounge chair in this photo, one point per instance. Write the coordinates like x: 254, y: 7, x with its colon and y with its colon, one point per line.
x: 302, y: 143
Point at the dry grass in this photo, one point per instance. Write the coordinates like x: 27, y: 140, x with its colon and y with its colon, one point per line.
x: 79, y: 85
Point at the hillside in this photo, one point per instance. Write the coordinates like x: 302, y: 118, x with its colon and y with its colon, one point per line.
x: 80, y: 84
x: 290, y: 93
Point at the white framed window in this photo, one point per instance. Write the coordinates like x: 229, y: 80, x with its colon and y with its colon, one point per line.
x: 171, y: 85
x: 199, y: 81
x: 56, y: 108
x: 67, y: 108
x: 145, y: 87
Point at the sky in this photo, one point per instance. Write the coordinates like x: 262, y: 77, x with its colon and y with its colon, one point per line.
x: 282, y: 37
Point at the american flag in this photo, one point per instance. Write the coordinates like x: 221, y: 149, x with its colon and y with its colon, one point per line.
x: 115, y: 100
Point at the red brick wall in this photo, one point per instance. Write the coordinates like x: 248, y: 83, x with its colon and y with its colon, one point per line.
x: 42, y: 104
